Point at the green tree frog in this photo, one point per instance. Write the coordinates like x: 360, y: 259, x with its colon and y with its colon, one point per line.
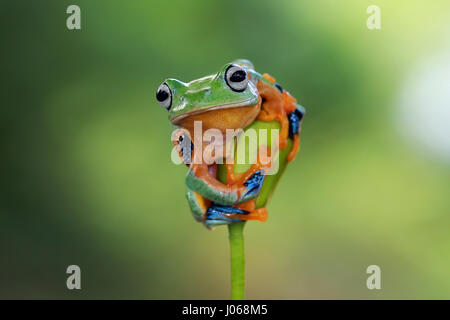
x: 235, y: 98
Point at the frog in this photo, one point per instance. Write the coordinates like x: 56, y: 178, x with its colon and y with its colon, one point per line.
x: 238, y: 98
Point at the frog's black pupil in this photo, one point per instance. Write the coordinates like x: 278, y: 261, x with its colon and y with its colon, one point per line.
x: 161, y: 95
x: 238, y: 76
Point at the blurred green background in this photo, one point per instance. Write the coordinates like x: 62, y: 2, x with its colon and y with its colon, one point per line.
x: 86, y: 176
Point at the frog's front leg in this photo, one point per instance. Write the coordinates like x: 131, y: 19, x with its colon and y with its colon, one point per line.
x: 200, y: 180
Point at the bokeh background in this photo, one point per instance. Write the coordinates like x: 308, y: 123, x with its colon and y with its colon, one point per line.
x: 86, y: 176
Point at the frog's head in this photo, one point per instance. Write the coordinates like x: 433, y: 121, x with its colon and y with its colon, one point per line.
x: 227, y: 96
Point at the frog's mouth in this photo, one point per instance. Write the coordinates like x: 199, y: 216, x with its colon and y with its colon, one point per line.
x: 246, y: 103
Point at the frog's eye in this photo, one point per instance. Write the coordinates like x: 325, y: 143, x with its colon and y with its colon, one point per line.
x: 236, y: 78
x: 164, y: 96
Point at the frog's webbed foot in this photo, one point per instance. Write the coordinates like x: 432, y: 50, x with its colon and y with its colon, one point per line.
x: 220, y: 215
x: 295, y: 118
x: 253, y: 185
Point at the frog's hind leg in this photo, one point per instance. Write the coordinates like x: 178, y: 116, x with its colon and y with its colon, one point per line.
x: 272, y: 107
x: 279, y: 105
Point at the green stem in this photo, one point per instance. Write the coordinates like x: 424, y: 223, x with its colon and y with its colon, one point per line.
x: 237, y: 258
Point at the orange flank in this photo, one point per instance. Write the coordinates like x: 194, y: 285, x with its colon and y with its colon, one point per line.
x: 276, y: 106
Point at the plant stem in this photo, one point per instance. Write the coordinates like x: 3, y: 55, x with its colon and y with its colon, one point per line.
x: 236, y: 236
